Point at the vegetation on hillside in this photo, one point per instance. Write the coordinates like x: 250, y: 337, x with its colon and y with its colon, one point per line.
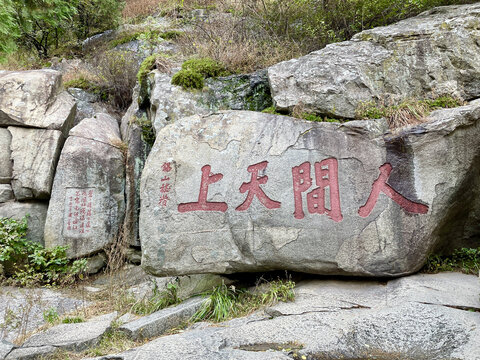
x: 28, y: 263
x: 40, y: 25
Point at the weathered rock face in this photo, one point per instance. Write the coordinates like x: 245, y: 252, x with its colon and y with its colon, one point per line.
x: 36, y: 220
x: 5, y: 161
x: 238, y: 92
x: 33, y: 99
x: 87, y: 204
x: 137, y: 152
x: 435, y: 53
x: 34, y: 154
x: 245, y: 191
x: 6, y: 193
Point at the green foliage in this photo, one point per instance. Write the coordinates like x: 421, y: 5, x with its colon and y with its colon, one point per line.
x: 226, y: 302
x: 123, y: 40
x: 94, y: 16
x: 271, y: 110
x: 51, y: 315
x: 72, y: 320
x: 41, y: 24
x: 170, y: 35
x: 159, y: 300
x: 147, y: 65
x: 316, y: 118
x: 188, y: 79
x: 148, y: 133
x: 313, y: 23
x: 204, y: 66
x: 30, y: 263
x: 464, y: 260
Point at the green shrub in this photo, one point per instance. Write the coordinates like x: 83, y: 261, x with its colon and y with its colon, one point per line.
x: 464, y: 260
x: 28, y: 263
x: 188, y: 79
x: 51, y: 315
x: 72, y: 320
x: 147, y: 65
x: 271, y: 110
x: 226, y: 302
x: 204, y: 66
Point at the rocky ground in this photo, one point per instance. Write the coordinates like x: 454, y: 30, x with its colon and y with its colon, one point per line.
x: 423, y: 316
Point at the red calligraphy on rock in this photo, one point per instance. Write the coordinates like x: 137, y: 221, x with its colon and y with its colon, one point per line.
x: 253, y: 188
x: 326, y: 176
x: 202, y: 204
x: 166, y: 167
x: 165, y: 188
x: 380, y: 185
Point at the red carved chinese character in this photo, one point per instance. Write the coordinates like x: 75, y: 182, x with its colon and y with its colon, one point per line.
x: 166, y: 167
x: 165, y: 188
x: 165, y: 178
x: 202, y: 203
x: 253, y: 188
x: 326, y: 174
x: 90, y: 193
x: 163, y: 200
x: 380, y: 185
x: 301, y: 182
x: 326, y: 177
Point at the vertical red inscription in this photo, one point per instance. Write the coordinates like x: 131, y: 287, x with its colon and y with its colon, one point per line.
x: 380, y: 185
x: 165, y: 187
x: 326, y: 175
x: 253, y: 188
x: 202, y: 203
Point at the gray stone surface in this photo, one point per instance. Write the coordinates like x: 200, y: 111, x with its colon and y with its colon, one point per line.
x: 6, y: 192
x: 36, y: 221
x: 5, y: 160
x: 33, y: 353
x: 5, y: 348
x: 25, y: 308
x: 435, y: 53
x: 237, y: 92
x: 433, y: 167
x: 34, y: 155
x: 33, y: 99
x: 96, y: 263
x: 158, y: 323
x: 73, y: 337
x: 87, y: 205
x: 343, y: 320
x: 87, y: 104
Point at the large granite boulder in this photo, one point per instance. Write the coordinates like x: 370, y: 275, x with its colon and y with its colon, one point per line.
x: 34, y: 153
x: 87, y: 205
x: 35, y: 99
x: 244, y: 191
x: 5, y: 160
x: 37, y: 213
x: 435, y: 53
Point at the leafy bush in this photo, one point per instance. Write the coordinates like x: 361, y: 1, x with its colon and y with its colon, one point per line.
x: 28, y: 262
x: 41, y: 24
x: 95, y: 16
x: 464, y: 260
x: 188, y: 79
